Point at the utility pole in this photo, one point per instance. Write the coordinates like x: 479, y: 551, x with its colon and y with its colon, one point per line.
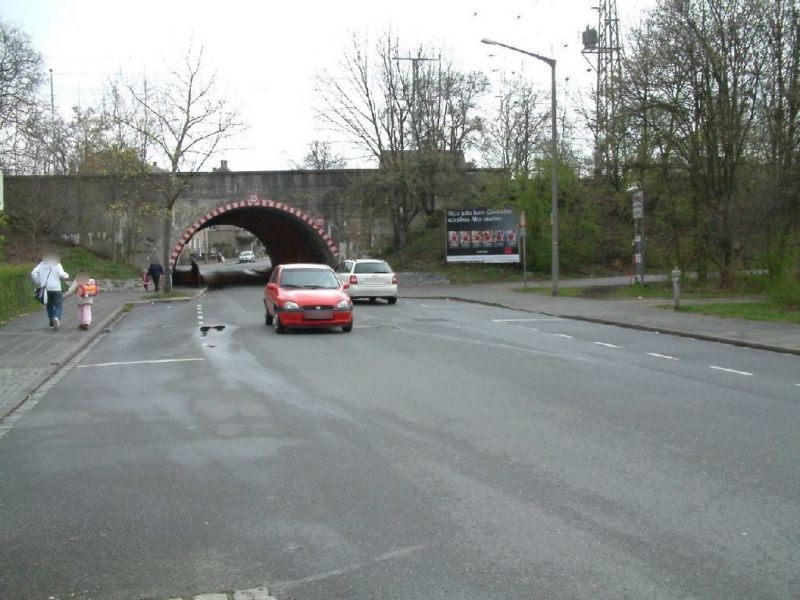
x: 605, y: 43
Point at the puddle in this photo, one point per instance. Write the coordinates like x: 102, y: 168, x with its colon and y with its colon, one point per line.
x: 206, y: 328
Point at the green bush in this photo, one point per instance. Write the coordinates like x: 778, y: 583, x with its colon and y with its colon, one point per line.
x: 16, y: 291
x: 785, y: 291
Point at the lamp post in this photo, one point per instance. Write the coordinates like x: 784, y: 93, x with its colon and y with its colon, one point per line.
x: 554, y: 156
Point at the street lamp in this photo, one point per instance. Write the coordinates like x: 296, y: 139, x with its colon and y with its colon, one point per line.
x: 554, y: 157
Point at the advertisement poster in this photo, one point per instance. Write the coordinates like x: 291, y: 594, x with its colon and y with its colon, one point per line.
x: 487, y: 235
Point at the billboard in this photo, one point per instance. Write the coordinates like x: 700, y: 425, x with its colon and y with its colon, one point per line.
x: 487, y: 235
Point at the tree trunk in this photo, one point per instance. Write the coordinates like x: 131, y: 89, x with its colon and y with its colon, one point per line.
x: 166, y: 241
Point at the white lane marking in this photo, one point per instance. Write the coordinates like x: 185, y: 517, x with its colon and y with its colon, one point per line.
x: 387, y: 556
x: 797, y: 384
x: 607, y: 345
x: 657, y: 355
x: 564, y: 335
x: 524, y: 320
x: 726, y: 370
x: 141, y: 362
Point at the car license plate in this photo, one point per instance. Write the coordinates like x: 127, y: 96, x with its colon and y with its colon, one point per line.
x: 318, y: 315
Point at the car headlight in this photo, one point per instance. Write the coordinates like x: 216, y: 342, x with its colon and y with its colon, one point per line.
x: 343, y: 305
x: 289, y: 305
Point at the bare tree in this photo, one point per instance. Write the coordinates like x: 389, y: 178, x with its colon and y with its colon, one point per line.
x: 515, y: 132
x: 412, y: 113
x: 182, y: 122
x: 321, y: 157
x: 21, y: 77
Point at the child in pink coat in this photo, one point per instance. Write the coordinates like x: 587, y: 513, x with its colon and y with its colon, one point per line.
x: 85, y: 289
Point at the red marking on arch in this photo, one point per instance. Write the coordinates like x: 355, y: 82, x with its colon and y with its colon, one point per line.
x: 219, y: 210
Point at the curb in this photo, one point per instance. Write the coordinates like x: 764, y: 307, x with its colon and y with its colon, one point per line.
x: 627, y: 325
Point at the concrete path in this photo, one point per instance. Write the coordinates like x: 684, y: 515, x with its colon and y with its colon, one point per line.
x: 30, y: 352
x: 645, y: 314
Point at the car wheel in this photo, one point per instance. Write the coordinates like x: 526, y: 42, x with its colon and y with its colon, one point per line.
x: 392, y: 300
x: 279, y: 328
x: 267, y: 316
x: 348, y: 328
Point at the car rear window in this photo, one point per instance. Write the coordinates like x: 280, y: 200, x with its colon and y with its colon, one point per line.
x: 309, y: 278
x: 372, y: 267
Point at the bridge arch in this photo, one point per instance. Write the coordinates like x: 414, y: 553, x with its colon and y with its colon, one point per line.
x: 288, y: 233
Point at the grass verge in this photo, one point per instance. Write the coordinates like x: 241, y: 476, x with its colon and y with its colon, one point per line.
x: 164, y: 296
x: 75, y: 258
x: 752, y: 311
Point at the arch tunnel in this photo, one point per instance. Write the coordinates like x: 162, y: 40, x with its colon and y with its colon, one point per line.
x: 288, y: 234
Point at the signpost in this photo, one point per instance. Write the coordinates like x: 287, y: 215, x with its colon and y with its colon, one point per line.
x: 638, y: 235
x: 523, y: 234
x: 483, y: 235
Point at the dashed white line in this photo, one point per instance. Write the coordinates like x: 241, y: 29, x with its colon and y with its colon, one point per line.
x: 726, y: 370
x: 607, y: 345
x: 664, y: 356
x: 140, y: 362
x: 564, y: 335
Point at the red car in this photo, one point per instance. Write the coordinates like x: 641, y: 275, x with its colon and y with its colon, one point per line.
x: 306, y: 295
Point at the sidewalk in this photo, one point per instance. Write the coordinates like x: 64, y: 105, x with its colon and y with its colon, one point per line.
x: 637, y: 314
x: 31, y: 352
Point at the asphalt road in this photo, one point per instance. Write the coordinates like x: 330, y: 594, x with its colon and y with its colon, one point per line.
x: 440, y: 450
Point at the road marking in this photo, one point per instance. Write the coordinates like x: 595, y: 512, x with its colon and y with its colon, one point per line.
x: 141, y: 362
x: 391, y: 555
x: 734, y: 371
x: 657, y: 355
x: 564, y: 335
x: 524, y: 320
x: 27, y: 405
x: 607, y: 345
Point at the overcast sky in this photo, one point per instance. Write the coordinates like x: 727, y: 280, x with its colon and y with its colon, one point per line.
x: 268, y: 54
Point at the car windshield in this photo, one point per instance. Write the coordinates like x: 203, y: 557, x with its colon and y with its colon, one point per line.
x: 309, y: 278
x: 372, y: 267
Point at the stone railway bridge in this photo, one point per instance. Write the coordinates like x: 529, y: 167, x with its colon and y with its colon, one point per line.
x: 298, y: 215
x: 290, y: 212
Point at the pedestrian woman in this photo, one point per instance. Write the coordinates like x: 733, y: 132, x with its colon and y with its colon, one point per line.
x: 156, y: 271
x: 48, y: 275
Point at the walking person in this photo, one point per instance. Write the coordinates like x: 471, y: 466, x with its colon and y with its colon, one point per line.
x: 48, y: 275
x: 85, y: 289
x: 156, y: 271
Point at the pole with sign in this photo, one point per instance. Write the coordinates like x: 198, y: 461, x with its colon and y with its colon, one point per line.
x: 523, y: 234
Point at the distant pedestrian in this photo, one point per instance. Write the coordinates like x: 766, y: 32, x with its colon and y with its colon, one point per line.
x: 85, y: 288
x: 195, y: 274
x: 48, y: 275
x: 156, y: 271
x: 146, y: 279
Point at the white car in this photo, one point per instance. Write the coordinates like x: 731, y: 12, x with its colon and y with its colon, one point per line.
x: 368, y: 278
x: 247, y: 256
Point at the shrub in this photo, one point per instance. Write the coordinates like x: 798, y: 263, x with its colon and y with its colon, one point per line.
x: 16, y: 291
x: 785, y: 291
